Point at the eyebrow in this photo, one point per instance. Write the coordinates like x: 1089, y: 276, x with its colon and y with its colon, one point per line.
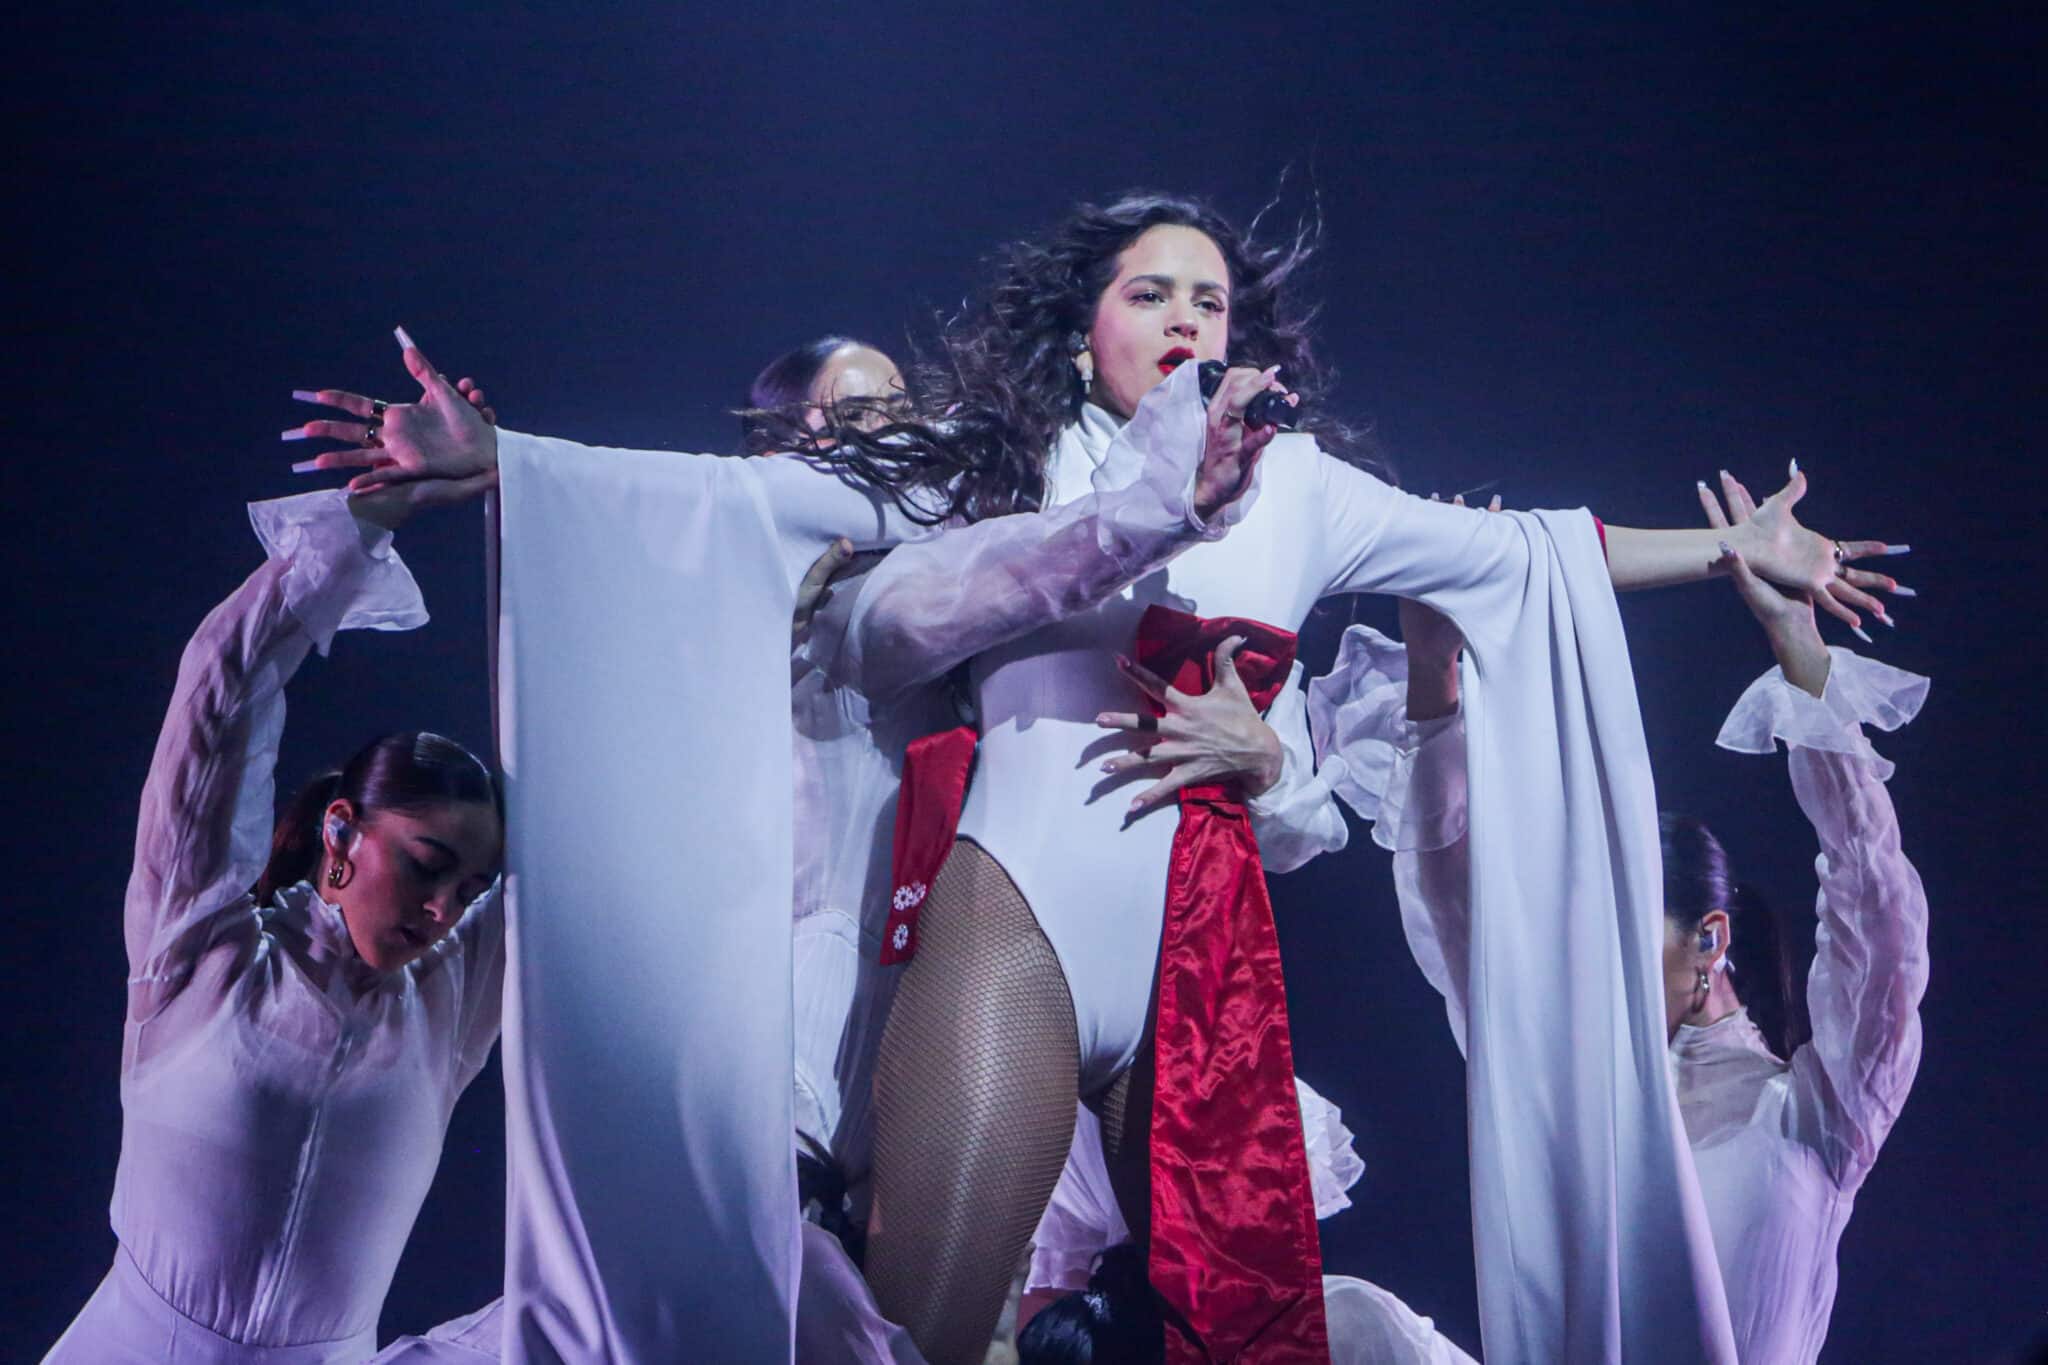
x: 1169, y: 282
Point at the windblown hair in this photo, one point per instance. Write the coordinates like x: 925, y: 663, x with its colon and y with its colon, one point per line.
x: 411, y: 771
x: 782, y: 391
x: 1114, y: 1321
x: 984, y: 411
x: 1699, y: 879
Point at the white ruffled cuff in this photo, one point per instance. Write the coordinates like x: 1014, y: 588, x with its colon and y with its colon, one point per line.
x: 1333, y: 1166
x: 1860, y: 691
x: 1370, y: 752
x: 343, y: 573
x: 1159, y: 451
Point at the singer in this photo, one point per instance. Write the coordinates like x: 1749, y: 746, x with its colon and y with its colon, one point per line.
x: 1036, y: 976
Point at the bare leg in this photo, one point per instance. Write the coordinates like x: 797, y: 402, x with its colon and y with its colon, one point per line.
x: 974, y: 1110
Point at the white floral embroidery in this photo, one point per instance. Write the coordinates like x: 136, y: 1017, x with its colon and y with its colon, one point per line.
x: 910, y: 895
x: 900, y: 938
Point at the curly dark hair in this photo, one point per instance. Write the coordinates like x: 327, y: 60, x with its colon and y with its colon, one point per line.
x: 973, y: 436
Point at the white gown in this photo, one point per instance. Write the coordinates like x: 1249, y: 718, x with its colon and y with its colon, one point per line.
x: 1592, y: 1242
x: 1781, y: 1146
x: 283, y: 1105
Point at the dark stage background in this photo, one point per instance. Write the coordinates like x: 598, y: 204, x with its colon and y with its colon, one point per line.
x: 1590, y: 257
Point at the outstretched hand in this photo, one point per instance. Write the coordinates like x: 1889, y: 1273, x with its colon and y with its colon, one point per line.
x: 441, y: 436
x: 1804, y: 561
x: 1217, y: 736
x: 1786, y: 616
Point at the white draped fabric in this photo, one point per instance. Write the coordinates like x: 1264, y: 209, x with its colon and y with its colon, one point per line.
x: 645, y: 602
x: 1591, y: 1239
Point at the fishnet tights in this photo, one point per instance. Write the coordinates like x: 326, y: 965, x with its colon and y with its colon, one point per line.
x: 974, y: 1110
x: 1124, y: 1108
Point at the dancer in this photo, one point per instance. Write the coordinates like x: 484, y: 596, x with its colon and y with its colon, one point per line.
x: 1036, y: 975
x: 292, y: 1052
x: 1783, y: 1131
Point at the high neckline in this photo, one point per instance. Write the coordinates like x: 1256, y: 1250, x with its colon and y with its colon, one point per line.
x: 1098, y: 427
x: 1734, y: 1031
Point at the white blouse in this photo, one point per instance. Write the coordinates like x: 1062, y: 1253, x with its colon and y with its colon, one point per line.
x: 1780, y: 1147
x: 283, y: 1105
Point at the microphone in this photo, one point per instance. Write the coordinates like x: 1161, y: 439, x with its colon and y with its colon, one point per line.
x: 1269, y: 409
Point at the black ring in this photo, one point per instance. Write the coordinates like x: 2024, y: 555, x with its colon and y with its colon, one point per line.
x: 370, y: 437
x: 377, y: 406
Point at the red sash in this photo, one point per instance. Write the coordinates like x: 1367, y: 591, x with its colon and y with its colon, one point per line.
x: 1234, y: 1247
x: 935, y: 772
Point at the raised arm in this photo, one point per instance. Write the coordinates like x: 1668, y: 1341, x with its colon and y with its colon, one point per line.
x: 1870, y: 948
x: 1471, y: 565
x: 939, y: 601
x: 206, y: 814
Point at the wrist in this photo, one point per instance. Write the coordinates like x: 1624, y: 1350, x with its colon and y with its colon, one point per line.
x: 1432, y: 689
x: 1272, y: 764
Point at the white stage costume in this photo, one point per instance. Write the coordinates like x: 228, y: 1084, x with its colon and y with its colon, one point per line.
x: 645, y: 670
x: 1781, y: 1147
x: 849, y: 759
x: 283, y: 1105
x: 1579, y: 1163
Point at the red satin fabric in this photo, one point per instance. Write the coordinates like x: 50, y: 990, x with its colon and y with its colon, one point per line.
x: 935, y: 770
x: 1234, y: 1246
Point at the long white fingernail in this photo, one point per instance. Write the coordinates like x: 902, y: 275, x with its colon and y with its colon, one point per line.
x: 292, y: 434
x: 1727, y: 550
x: 1723, y: 473
x: 404, y: 341
x: 306, y: 467
x: 1700, y: 484
x: 1901, y: 590
x: 1896, y: 550
x: 1792, y: 470
x: 305, y: 395
x: 1862, y: 635
x: 1889, y: 624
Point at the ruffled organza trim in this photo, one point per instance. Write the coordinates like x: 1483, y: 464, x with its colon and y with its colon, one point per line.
x: 1358, y: 716
x: 1367, y: 748
x: 1860, y: 691
x: 1159, y: 448
x: 1333, y: 1165
x: 342, y: 575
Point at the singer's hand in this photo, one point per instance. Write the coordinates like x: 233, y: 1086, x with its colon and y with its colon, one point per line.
x: 441, y: 436
x: 1231, y: 451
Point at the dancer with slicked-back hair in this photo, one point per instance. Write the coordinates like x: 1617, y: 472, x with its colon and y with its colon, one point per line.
x: 307, y: 996
x: 1784, y: 1127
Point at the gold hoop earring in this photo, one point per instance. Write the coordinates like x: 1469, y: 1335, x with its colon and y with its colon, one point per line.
x: 341, y: 874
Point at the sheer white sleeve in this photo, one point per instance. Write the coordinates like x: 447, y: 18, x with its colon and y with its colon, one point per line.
x: 1297, y: 817
x: 1870, y: 950
x: 476, y: 949
x: 204, y: 828
x: 939, y: 601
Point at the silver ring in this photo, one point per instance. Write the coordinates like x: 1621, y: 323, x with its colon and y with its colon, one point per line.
x: 370, y: 437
